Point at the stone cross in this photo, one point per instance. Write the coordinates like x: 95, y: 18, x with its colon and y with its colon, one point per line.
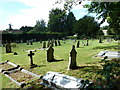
x: 44, y: 45
x: 72, y: 58
x: 50, y: 54
x: 78, y: 43
x: 8, y: 48
x: 31, y: 59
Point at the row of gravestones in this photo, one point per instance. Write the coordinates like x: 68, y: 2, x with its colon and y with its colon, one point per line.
x: 50, y: 57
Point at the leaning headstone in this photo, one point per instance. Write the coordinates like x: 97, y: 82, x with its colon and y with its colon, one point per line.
x: 55, y: 43
x: 50, y: 54
x: 31, y: 58
x: 44, y: 45
x: 72, y: 58
x: 59, y: 43
x: 78, y: 43
x: 8, y: 48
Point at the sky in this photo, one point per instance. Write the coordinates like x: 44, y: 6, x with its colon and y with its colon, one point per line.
x: 25, y: 12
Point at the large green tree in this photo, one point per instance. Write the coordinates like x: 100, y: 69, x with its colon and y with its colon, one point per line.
x: 57, y: 20
x: 26, y: 29
x: 70, y: 23
x: 109, y: 11
x: 87, y: 26
x: 40, y: 27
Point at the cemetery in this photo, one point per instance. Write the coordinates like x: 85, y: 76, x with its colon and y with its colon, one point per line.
x: 64, y: 64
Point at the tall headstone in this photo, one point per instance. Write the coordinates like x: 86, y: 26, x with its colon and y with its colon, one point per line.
x: 31, y: 59
x: 78, y: 43
x: 72, y: 58
x: 55, y: 43
x: 50, y: 54
x: 44, y: 45
x: 59, y: 43
x: 8, y: 48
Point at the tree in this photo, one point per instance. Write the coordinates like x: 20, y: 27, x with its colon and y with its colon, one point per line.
x: 57, y: 18
x: 109, y: 11
x: 39, y: 27
x: 87, y: 26
x: 70, y: 23
x: 26, y: 29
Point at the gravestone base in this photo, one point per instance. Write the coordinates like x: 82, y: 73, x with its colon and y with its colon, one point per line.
x: 33, y: 65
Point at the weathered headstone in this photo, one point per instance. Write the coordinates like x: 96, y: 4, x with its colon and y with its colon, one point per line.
x: 72, y: 58
x: 78, y: 43
x: 55, y: 43
x: 44, y: 45
x: 51, y: 43
x: 8, y: 48
x: 50, y: 54
x: 59, y: 43
x: 31, y: 58
x: 15, y: 53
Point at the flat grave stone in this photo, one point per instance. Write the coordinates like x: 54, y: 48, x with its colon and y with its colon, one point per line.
x: 60, y: 81
x: 109, y: 54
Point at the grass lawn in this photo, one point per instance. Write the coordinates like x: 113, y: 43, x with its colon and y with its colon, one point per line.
x: 89, y: 66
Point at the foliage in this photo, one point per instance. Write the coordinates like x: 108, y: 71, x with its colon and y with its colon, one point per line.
x: 57, y: 18
x: 39, y: 27
x: 87, y: 26
x: 26, y: 29
x: 70, y: 23
x: 109, y: 11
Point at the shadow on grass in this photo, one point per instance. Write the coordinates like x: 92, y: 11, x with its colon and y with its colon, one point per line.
x: 107, y: 47
x: 57, y: 60
x: 94, y: 69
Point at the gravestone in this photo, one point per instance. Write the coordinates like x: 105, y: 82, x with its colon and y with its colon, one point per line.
x: 78, y: 43
x: 31, y: 58
x: 44, y: 45
x: 72, y: 58
x: 59, y: 43
x: 15, y: 53
x: 50, y: 54
x: 55, y: 43
x: 59, y: 81
x: 83, y: 43
x: 48, y: 44
x: 100, y: 40
x: 87, y: 43
x: 8, y: 48
x: 51, y: 43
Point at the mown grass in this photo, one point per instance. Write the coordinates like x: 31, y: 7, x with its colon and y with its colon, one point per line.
x: 88, y: 65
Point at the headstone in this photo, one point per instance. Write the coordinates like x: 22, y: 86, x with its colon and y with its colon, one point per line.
x: 78, y: 43
x: 59, y: 81
x: 48, y: 44
x: 83, y: 43
x: 50, y: 54
x: 8, y: 48
x: 31, y: 58
x: 72, y: 58
x: 59, y: 43
x: 51, y: 43
x: 87, y: 43
x: 100, y: 40
x: 44, y: 45
x: 55, y: 43
x: 15, y: 53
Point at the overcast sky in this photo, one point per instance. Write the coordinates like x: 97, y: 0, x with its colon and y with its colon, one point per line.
x: 26, y: 12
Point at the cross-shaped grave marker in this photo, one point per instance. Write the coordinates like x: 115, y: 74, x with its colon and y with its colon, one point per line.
x: 31, y: 59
